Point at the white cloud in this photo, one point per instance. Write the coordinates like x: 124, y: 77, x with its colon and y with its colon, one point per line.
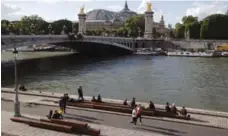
x: 201, y: 10
x: 10, y: 12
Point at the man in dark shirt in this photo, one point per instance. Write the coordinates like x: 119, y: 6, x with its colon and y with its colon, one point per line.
x: 167, y: 108
x: 65, y: 99
x: 133, y: 103
x: 152, y: 107
x: 80, y: 93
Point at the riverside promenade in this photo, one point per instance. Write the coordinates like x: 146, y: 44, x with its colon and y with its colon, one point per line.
x: 37, y: 104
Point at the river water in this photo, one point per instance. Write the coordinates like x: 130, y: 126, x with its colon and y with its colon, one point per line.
x: 193, y: 82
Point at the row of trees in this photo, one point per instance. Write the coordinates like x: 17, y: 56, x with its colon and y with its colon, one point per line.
x: 211, y: 27
x: 36, y: 25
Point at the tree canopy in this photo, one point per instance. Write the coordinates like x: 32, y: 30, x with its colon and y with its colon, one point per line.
x: 36, y: 25
x: 214, y: 27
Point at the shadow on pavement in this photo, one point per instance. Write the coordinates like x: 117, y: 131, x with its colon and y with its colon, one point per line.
x: 157, y: 131
x: 80, y: 119
x: 167, y: 129
x: 81, y: 116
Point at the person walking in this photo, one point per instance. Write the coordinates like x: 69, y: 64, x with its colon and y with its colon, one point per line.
x: 138, y: 113
x: 61, y: 104
x: 80, y: 93
x: 133, y: 103
x: 134, y: 116
x: 65, y: 99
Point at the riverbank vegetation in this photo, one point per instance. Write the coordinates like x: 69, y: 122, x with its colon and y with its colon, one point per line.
x: 212, y: 27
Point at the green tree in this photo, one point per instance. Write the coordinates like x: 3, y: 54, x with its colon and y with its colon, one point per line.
x: 57, y: 26
x: 187, y: 20
x: 5, y: 26
x: 214, y: 27
x: 135, y: 25
x: 33, y: 24
x: 194, y: 30
x: 227, y: 12
x: 179, y: 30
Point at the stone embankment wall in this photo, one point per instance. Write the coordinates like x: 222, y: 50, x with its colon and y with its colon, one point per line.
x: 198, y: 44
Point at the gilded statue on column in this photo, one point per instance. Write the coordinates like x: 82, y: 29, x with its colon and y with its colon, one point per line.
x: 82, y: 10
x: 149, y: 6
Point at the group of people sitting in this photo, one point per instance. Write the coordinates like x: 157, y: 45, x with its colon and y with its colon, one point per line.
x: 99, y: 99
x: 22, y: 88
x: 174, y: 109
x: 56, y: 115
x: 171, y: 109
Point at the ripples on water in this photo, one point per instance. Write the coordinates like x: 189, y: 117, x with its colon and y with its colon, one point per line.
x: 194, y: 82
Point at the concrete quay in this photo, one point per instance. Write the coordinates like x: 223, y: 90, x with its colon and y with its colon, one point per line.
x: 199, y: 117
x: 110, y: 124
x: 159, y: 106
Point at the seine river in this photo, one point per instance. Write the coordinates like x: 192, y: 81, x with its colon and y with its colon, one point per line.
x: 193, y: 82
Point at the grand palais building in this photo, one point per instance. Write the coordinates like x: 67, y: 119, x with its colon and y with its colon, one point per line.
x: 99, y: 19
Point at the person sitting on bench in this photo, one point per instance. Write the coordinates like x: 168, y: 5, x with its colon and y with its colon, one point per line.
x: 49, y: 116
x: 151, y: 106
x: 174, y: 109
x: 183, y: 111
x: 133, y: 104
x: 93, y: 99
x: 125, y: 102
x: 57, y: 115
x: 167, y: 108
x: 22, y: 88
x: 99, y: 99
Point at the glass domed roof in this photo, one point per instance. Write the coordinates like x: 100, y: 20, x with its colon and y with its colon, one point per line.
x: 100, y: 14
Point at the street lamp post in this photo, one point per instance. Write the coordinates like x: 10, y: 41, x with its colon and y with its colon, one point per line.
x: 16, y: 103
x: 49, y: 29
x: 32, y: 26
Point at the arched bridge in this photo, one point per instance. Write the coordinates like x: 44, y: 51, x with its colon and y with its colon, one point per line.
x: 92, y: 45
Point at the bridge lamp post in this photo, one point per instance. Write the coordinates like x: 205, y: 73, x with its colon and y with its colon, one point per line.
x: 64, y: 29
x: 32, y: 26
x: 50, y: 28
x: 16, y: 102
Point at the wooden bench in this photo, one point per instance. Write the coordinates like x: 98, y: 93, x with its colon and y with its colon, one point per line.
x: 74, y: 124
x: 22, y: 120
x: 77, y: 126
x: 51, y: 126
x: 126, y: 109
x: 45, y: 125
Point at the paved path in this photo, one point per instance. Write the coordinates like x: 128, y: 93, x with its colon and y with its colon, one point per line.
x: 21, y: 129
x: 117, y: 124
x: 197, y: 119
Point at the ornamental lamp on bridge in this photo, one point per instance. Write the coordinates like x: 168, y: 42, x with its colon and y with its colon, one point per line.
x: 16, y: 102
x: 49, y: 29
x: 32, y: 27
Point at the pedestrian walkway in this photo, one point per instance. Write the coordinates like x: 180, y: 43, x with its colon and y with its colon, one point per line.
x: 197, y: 119
x: 10, y: 128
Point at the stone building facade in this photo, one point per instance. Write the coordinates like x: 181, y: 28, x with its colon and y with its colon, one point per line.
x: 101, y: 19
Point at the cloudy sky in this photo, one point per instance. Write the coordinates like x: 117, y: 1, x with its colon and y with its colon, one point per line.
x: 68, y: 9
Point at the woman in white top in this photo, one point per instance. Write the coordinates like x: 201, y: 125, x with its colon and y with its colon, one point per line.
x: 134, y: 116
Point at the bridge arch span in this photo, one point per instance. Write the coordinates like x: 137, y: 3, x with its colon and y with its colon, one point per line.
x: 96, y: 48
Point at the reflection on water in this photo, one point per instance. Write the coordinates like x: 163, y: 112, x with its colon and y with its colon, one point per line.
x: 194, y: 82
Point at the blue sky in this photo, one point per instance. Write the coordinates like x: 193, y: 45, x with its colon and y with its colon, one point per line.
x: 68, y: 9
